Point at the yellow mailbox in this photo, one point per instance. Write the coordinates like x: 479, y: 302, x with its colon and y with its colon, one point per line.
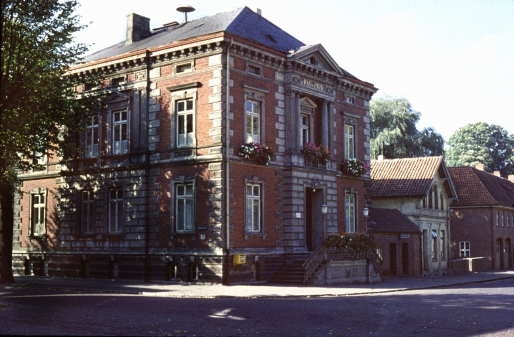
x: 239, y: 259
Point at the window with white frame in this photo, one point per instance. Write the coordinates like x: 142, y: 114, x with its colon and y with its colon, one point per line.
x: 184, y: 207
x: 185, y: 122
x: 253, y: 208
x: 92, y: 137
x: 350, y: 99
x: 120, y: 132
x: 434, y: 244
x: 38, y: 213
x: 116, y: 210
x: 464, y: 249
x: 253, y: 119
x: 87, y: 215
x: 350, y: 212
x: 305, y: 128
x: 349, y: 141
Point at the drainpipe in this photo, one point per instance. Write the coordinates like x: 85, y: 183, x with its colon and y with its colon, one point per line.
x: 147, y: 169
x: 227, y: 170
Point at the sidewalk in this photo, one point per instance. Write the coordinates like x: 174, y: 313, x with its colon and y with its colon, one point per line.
x: 254, y: 289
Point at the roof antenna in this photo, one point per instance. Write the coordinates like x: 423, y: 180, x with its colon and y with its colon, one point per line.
x: 185, y: 9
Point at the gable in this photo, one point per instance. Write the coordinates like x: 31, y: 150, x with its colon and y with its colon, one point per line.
x: 317, y: 57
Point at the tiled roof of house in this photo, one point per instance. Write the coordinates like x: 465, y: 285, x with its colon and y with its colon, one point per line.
x: 241, y: 22
x: 403, y: 177
x: 391, y: 221
x: 478, y: 188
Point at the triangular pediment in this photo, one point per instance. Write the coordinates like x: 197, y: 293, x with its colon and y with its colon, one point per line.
x: 317, y: 57
x: 116, y: 97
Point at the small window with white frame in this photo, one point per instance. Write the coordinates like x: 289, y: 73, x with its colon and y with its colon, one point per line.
x: 184, y: 68
x: 464, y: 249
x: 350, y: 99
x: 253, y: 120
x: 185, y: 122
x: 92, y: 136
x: 350, y: 210
x: 120, y: 132
x: 116, y: 210
x: 38, y: 212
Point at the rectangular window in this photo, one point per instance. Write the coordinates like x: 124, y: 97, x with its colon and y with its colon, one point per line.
x: 253, y: 115
x: 120, y: 128
x: 497, y: 218
x: 350, y: 212
x: 87, y: 213
x: 443, y: 248
x: 185, y: 120
x: 38, y: 214
x: 253, y: 208
x: 464, y: 249
x: 380, y: 250
x: 254, y: 69
x: 350, y: 100
x: 92, y: 138
x: 305, y: 128
x: 434, y: 245
x: 184, y: 68
x: 349, y: 141
x: 115, y: 210
x: 184, y: 208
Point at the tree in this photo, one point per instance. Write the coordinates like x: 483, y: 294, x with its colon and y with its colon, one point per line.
x: 394, y: 133
x: 480, y: 143
x: 38, y: 104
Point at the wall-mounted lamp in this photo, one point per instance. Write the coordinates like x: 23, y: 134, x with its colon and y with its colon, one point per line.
x: 324, y: 209
x: 365, y: 211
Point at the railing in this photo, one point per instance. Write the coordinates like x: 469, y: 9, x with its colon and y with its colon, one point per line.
x: 375, y: 260
x: 313, y: 262
x: 344, y: 255
x: 314, y: 164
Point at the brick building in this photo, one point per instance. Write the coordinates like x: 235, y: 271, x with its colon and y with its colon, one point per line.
x: 483, y: 217
x: 160, y: 188
x: 421, y: 189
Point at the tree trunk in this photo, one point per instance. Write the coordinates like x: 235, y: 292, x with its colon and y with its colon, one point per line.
x: 6, y: 208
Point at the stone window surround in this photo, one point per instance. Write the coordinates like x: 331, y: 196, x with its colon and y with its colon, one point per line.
x: 248, y: 64
x: 355, y: 192
x: 259, y: 95
x: 256, y: 181
x: 173, y: 183
x: 111, y: 108
x: 353, y: 120
x: 31, y: 193
x: 178, y: 93
x: 84, y: 135
x: 123, y: 200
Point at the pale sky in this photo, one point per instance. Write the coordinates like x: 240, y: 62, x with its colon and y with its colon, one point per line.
x: 452, y: 59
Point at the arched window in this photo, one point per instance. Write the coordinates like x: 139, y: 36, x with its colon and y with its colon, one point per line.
x: 441, y: 197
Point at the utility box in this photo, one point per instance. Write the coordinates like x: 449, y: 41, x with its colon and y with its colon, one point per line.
x: 239, y: 259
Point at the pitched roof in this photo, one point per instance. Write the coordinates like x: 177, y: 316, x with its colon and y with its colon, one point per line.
x: 478, y: 188
x: 241, y: 22
x: 391, y: 221
x: 404, y: 177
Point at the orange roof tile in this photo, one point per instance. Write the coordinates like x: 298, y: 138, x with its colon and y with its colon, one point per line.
x: 403, y: 177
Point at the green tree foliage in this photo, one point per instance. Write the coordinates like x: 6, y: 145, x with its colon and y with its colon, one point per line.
x: 38, y: 105
x: 394, y: 133
x: 480, y: 143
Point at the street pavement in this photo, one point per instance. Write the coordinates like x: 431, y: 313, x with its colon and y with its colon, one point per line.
x: 262, y: 289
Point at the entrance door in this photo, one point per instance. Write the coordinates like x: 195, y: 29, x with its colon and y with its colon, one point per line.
x: 425, y: 250
x: 392, y: 259
x: 314, y: 221
x: 405, y: 258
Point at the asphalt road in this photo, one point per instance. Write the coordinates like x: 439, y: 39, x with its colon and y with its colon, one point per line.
x: 484, y: 309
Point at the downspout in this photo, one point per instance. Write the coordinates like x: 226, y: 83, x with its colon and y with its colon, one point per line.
x: 227, y: 169
x: 147, y: 168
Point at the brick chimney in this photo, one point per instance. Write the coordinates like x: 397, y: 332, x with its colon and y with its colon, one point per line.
x: 497, y: 173
x: 479, y: 167
x: 138, y: 27
x: 380, y: 157
x: 511, y: 177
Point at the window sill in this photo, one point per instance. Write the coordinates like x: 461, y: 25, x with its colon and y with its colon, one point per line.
x: 247, y: 234
x: 38, y: 237
x: 114, y: 236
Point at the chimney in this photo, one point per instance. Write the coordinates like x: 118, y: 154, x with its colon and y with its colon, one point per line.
x: 380, y: 157
x: 258, y: 11
x: 497, y: 173
x: 479, y: 167
x: 511, y: 177
x: 138, y: 27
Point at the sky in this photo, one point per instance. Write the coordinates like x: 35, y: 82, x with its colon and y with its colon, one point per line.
x: 452, y: 59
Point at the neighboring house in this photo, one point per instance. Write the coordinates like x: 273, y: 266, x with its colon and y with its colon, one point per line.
x: 483, y: 217
x: 421, y: 189
x: 160, y: 188
x: 398, y: 241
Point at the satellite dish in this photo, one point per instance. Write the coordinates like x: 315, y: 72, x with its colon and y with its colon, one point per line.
x: 185, y: 9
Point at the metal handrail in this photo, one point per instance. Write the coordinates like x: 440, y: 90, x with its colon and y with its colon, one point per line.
x: 313, y: 262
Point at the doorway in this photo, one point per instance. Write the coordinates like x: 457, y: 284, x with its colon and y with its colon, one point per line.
x: 405, y: 258
x: 314, y: 221
x: 392, y: 259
